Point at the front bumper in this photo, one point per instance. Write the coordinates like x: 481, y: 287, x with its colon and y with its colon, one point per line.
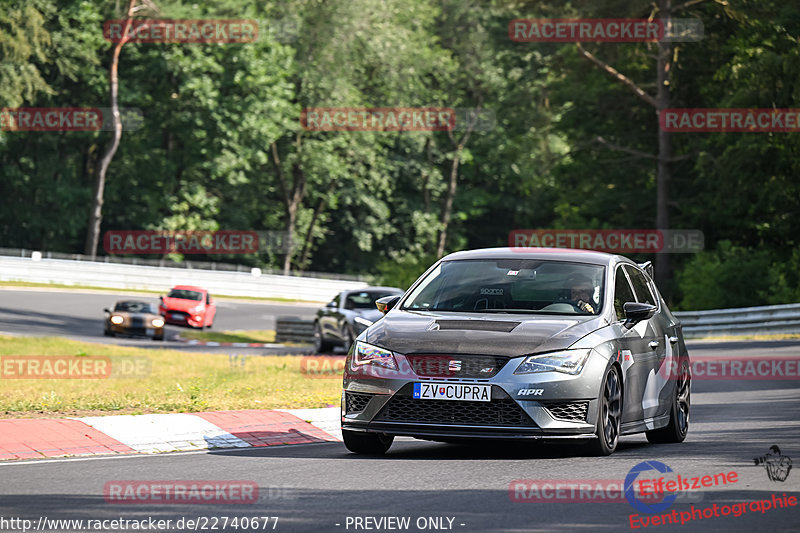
x: 123, y: 329
x: 547, y: 405
x: 181, y: 318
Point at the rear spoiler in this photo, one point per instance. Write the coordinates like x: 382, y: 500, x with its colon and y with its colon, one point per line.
x: 647, y: 267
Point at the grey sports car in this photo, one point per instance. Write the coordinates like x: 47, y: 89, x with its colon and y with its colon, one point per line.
x: 347, y: 315
x: 518, y: 343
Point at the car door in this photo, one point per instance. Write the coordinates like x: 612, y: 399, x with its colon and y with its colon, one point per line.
x: 657, y: 387
x: 211, y: 310
x: 636, y: 354
x: 327, y: 319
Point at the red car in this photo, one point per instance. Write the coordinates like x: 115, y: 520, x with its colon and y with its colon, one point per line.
x: 186, y: 305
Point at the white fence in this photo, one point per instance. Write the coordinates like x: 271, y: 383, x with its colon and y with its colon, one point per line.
x: 120, y: 276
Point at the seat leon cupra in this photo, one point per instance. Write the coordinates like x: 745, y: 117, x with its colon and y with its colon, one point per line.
x: 515, y: 343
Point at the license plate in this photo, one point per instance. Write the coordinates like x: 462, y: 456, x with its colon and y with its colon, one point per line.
x: 452, y: 391
x: 149, y: 331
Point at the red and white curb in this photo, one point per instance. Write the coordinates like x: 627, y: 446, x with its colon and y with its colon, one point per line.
x: 99, y: 435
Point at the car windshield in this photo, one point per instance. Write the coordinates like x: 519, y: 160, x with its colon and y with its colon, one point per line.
x: 185, y: 295
x: 135, y: 307
x: 364, y: 299
x: 511, y: 286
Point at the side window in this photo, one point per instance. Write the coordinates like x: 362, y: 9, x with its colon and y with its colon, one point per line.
x: 643, y: 293
x: 334, y: 304
x: 622, y: 293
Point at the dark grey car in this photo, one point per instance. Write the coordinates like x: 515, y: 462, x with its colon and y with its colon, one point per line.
x: 510, y: 344
x: 347, y: 315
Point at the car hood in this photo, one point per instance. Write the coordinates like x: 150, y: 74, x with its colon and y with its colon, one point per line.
x: 179, y: 304
x: 128, y: 314
x: 413, y: 332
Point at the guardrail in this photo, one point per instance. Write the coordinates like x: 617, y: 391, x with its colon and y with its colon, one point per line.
x: 294, y: 329
x: 763, y: 320
x: 121, y: 276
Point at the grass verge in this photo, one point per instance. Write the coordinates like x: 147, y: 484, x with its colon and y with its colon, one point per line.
x: 165, y: 381
x: 775, y: 337
x: 244, y: 335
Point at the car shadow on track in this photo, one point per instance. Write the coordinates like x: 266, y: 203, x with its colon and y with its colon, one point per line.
x: 436, y: 451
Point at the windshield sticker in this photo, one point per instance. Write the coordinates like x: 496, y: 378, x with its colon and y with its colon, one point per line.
x: 493, y: 292
x: 512, y: 272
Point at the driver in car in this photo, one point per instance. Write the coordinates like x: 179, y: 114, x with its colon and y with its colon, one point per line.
x: 581, y: 292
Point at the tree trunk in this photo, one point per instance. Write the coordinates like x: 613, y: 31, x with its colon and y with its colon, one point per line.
x: 447, y: 209
x: 310, y: 233
x: 292, y: 198
x: 662, y: 263
x: 96, y: 214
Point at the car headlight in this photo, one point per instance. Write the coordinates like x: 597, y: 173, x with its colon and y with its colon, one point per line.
x: 363, y: 321
x: 116, y: 319
x: 367, y: 354
x: 569, y: 362
x: 158, y: 322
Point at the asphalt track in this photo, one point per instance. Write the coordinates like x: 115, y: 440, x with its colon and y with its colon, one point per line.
x: 320, y: 487
x: 79, y: 316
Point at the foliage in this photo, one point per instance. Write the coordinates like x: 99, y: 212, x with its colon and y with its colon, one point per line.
x: 372, y: 203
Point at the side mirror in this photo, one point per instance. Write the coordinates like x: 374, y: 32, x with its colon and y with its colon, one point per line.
x: 106, y: 310
x: 636, y: 312
x: 331, y: 304
x: 386, y: 303
x: 161, y: 298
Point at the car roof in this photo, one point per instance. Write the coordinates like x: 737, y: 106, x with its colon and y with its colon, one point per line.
x: 552, y: 254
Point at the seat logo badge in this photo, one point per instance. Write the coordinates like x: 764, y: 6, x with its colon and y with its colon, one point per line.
x: 454, y: 366
x: 530, y: 392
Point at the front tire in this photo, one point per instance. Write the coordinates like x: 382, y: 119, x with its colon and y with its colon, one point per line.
x: 609, y: 415
x: 678, y: 425
x: 347, y: 338
x: 320, y: 344
x: 367, y: 443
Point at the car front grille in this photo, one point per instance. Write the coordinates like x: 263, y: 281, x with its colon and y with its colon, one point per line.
x: 456, y: 366
x: 571, y: 411
x: 355, y: 402
x: 501, y: 411
x: 137, y: 322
